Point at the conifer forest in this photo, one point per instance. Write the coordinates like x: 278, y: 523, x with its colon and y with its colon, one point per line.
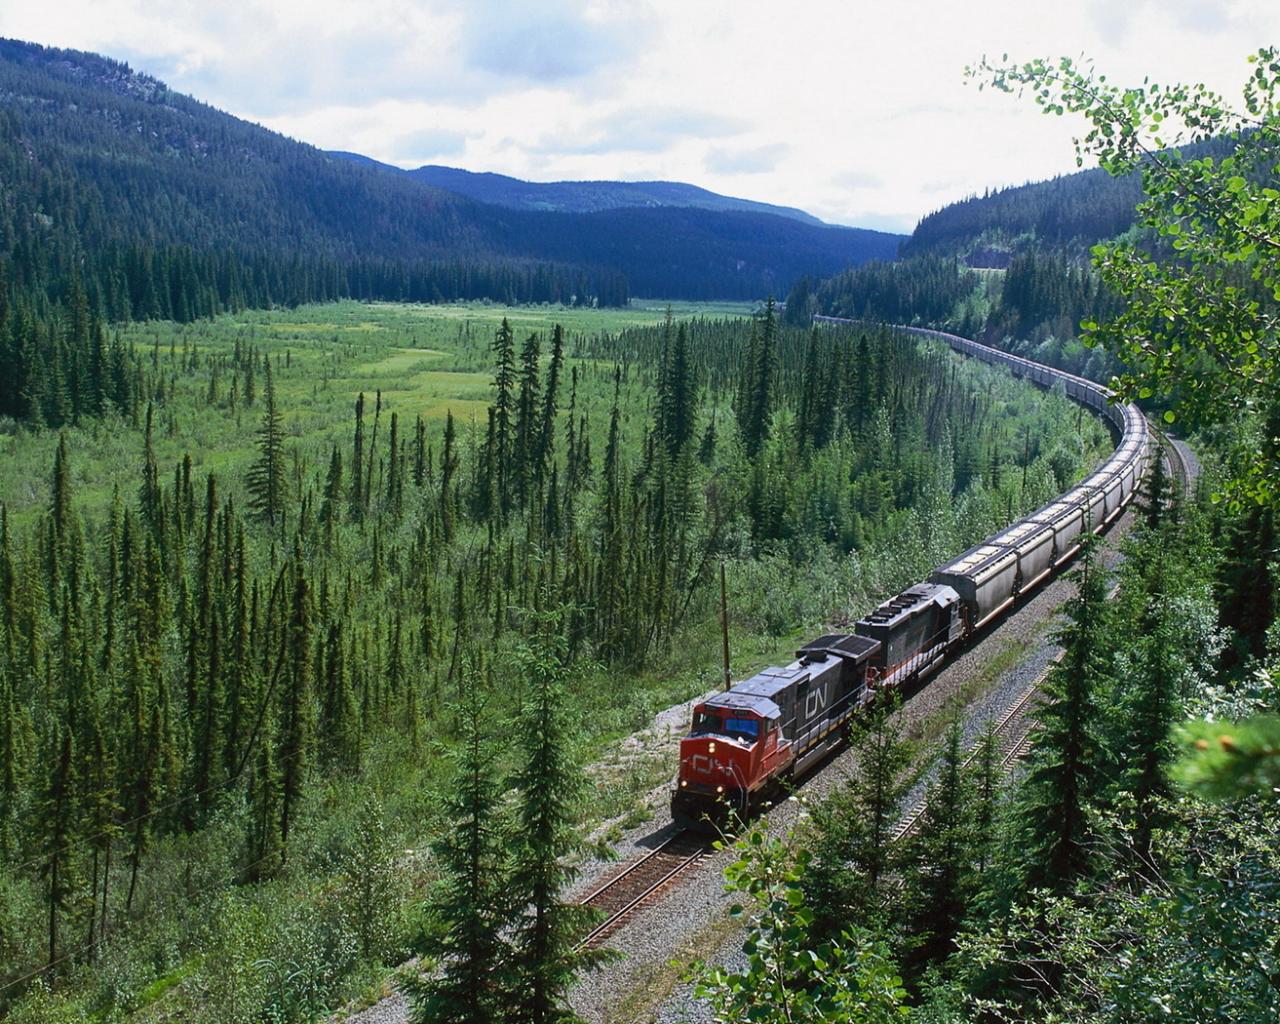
x: 380, y: 559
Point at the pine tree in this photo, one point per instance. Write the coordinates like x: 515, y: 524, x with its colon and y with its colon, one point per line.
x: 266, y: 477
x: 336, y: 712
x: 546, y: 931
x: 395, y: 471
x: 853, y: 829
x: 331, y: 509
x: 470, y: 981
x: 1066, y: 760
x: 759, y: 376
x: 550, y: 400
x: 357, y: 461
x: 57, y: 834
x: 295, y: 712
x: 264, y: 850
x: 528, y: 426
x: 448, y: 468
x: 941, y: 882
x: 677, y: 394
x: 985, y: 782
x: 504, y: 380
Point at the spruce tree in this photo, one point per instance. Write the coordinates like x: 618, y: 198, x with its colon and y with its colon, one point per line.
x: 852, y: 831
x: 504, y: 381
x: 395, y: 472
x: 357, y: 461
x: 940, y: 879
x: 448, y: 469
x: 528, y: 428
x: 331, y: 509
x: 295, y: 712
x: 1064, y: 768
x: 550, y: 400
x: 546, y: 929
x: 266, y: 477
x: 470, y: 980
x: 57, y: 832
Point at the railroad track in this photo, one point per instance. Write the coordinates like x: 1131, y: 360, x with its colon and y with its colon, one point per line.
x: 1013, y: 739
x: 626, y: 893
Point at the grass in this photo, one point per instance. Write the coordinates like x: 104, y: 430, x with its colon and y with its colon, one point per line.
x: 427, y: 360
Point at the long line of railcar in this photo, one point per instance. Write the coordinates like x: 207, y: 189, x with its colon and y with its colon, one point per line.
x: 745, y: 743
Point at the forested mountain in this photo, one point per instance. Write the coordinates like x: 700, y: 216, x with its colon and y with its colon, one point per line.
x: 1067, y: 214
x: 1070, y: 212
x: 96, y: 157
x: 581, y: 196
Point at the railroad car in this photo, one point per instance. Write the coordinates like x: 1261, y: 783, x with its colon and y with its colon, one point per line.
x: 746, y: 744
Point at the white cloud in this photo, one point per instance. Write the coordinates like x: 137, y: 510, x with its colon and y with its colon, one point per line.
x: 856, y: 112
x: 756, y: 160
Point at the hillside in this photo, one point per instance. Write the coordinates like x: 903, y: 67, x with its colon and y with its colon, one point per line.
x: 586, y: 196
x: 94, y: 155
x: 1066, y: 214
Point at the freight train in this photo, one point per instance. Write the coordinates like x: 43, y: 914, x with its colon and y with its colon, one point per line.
x: 746, y: 744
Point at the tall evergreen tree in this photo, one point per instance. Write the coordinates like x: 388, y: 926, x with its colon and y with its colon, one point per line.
x: 528, y: 428
x: 851, y: 845
x: 295, y: 711
x: 266, y: 477
x: 504, y: 402
x: 941, y: 880
x: 549, y: 783
x: 1064, y: 772
x: 357, y: 461
x: 58, y: 832
x: 470, y: 981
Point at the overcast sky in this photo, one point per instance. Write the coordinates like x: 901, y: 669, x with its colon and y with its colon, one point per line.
x: 856, y: 111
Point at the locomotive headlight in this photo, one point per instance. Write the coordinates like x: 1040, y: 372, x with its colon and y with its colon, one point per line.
x: 683, y: 783
x: 711, y: 747
x: 719, y: 789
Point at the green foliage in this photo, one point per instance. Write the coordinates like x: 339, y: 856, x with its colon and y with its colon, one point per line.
x: 1066, y: 763
x: 850, y: 834
x: 266, y: 478
x: 790, y: 977
x: 1199, y: 326
x: 253, y: 682
x: 469, y: 976
x: 1196, y: 943
x: 546, y: 929
x: 1230, y: 760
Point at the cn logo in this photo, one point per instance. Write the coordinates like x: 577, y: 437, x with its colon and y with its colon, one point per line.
x: 816, y: 702
x: 704, y: 764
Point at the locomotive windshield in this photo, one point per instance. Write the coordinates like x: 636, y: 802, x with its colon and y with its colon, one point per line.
x: 742, y: 728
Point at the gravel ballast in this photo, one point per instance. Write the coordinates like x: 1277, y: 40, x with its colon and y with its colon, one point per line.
x: 690, y: 920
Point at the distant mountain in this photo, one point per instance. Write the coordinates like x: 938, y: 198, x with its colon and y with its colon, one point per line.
x: 102, y: 168
x: 1067, y: 214
x: 582, y: 196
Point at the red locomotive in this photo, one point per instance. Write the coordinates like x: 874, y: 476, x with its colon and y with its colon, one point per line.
x: 746, y: 743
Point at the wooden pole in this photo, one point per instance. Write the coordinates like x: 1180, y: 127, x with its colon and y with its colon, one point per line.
x: 724, y: 627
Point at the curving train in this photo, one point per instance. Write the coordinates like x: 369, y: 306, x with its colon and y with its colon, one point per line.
x: 745, y: 744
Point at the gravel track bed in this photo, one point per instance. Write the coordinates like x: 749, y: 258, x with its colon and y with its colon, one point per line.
x: 694, y: 919
x: 691, y: 919
x: 392, y: 1010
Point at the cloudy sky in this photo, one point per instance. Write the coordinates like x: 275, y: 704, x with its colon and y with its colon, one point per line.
x: 854, y: 110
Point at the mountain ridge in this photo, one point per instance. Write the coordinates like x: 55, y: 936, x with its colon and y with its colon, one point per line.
x: 581, y: 196
x: 94, y: 155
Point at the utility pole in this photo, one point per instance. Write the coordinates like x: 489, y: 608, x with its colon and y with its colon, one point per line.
x: 724, y: 627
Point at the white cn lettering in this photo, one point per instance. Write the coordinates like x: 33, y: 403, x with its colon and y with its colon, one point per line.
x: 816, y: 702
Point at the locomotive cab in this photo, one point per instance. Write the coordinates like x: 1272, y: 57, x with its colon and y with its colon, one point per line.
x: 735, y: 743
